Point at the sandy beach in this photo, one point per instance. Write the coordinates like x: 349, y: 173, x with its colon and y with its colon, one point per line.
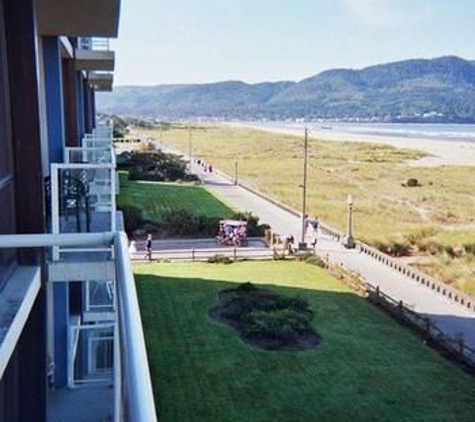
x: 442, y: 151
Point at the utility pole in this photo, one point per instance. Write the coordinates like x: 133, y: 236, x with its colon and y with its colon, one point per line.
x: 190, y: 139
x: 236, y: 173
x: 304, y: 189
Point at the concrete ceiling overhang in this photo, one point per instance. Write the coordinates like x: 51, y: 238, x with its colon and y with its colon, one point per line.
x: 95, y: 60
x: 79, y: 18
x: 101, y: 81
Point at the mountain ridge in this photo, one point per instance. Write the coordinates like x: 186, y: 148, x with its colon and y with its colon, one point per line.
x: 432, y: 90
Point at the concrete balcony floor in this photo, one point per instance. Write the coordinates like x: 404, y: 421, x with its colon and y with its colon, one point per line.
x: 89, y: 403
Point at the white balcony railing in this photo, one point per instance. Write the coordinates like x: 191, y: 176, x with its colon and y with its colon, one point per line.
x: 90, y: 154
x: 83, y: 198
x: 118, y: 348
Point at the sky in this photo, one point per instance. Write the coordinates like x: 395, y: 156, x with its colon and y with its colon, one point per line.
x: 198, y: 41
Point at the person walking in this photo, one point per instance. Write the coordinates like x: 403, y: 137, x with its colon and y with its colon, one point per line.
x: 148, y: 246
x: 315, y: 224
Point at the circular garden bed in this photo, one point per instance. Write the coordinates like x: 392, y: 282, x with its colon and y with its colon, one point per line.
x: 267, y: 319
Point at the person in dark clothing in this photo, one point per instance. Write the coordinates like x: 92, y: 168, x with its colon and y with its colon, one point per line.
x: 148, y: 247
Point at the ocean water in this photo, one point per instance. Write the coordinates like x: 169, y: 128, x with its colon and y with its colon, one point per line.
x: 422, y: 130
x: 456, y: 132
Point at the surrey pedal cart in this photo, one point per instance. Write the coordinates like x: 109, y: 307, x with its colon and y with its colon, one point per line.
x: 232, y: 233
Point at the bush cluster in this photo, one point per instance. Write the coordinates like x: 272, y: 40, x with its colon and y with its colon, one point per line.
x: 154, y: 165
x: 266, y: 315
x: 184, y: 223
x: 254, y: 229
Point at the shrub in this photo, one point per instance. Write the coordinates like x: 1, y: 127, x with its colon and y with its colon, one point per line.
x: 411, y: 183
x: 183, y: 223
x: 266, y: 315
x: 220, y: 259
x: 254, y: 229
x: 469, y: 248
x: 285, y: 325
x: 312, y: 259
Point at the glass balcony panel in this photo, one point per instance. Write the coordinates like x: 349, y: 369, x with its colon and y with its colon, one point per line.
x: 90, y: 155
x: 92, y: 353
x: 94, y: 44
x: 100, y: 296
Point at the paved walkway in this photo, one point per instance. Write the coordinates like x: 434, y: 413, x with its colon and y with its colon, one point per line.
x: 450, y: 317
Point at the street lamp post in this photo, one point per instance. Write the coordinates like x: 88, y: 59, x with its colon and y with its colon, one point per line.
x: 302, y: 244
x: 350, y: 241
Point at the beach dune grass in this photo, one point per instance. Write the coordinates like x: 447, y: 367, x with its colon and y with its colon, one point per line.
x: 367, y: 369
x: 385, y: 210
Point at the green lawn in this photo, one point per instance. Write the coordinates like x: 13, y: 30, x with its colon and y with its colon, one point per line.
x: 156, y: 199
x: 366, y: 369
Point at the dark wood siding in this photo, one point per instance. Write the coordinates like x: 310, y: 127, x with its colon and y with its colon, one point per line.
x: 70, y: 104
x: 7, y: 199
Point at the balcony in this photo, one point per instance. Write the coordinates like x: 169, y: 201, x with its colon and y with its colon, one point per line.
x: 93, y: 54
x: 108, y: 373
x: 101, y: 81
x: 98, y: 363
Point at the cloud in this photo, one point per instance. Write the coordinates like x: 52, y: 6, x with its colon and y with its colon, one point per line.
x: 382, y: 13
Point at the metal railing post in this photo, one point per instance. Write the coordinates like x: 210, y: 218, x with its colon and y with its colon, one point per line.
x: 55, y: 207
x: 113, y: 200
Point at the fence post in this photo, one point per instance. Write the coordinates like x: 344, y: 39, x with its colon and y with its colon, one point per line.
x: 235, y: 253
x: 192, y: 255
x: 400, y: 308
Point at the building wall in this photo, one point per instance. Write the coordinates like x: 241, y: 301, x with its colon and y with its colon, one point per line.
x: 45, y: 104
x: 53, y: 81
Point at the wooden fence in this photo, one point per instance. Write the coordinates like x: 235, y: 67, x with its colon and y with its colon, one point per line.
x: 453, y: 347
x: 421, y: 278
